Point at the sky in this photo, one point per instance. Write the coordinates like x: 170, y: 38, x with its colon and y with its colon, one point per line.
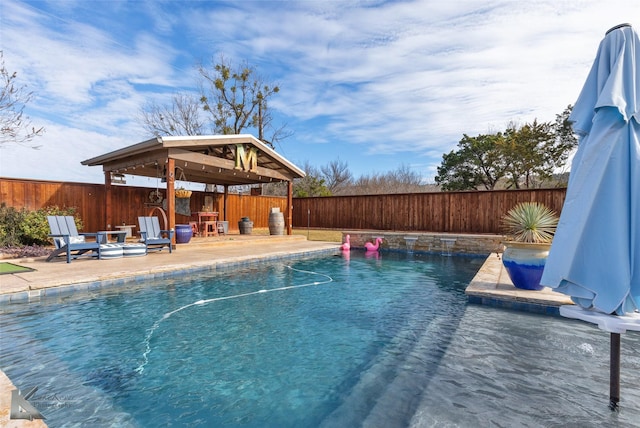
x: 378, y: 85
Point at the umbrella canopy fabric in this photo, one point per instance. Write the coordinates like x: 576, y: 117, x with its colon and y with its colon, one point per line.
x: 595, y: 255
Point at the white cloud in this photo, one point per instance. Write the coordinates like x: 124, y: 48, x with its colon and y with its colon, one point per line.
x: 389, y: 80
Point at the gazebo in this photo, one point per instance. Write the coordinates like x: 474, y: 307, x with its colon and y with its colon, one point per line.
x: 226, y: 160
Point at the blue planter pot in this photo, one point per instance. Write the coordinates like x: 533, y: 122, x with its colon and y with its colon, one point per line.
x: 524, y: 263
x: 183, y: 233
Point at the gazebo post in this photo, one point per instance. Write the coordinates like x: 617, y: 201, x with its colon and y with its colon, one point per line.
x: 289, y: 206
x: 171, y: 197
x: 107, y: 200
x: 224, y: 203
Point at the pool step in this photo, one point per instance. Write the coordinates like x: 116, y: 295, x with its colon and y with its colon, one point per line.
x: 389, y: 393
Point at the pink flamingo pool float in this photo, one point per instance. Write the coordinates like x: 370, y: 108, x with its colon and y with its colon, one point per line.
x: 347, y: 244
x: 373, y: 247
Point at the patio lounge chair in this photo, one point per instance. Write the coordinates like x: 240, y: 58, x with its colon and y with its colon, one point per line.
x: 68, y: 241
x: 152, y: 236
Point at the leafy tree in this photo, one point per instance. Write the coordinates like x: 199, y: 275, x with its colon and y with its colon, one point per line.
x: 478, y: 162
x: 310, y: 185
x: 564, y: 129
x: 15, y: 127
x: 534, y: 152
x: 522, y: 156
x: 523, y: 149
x: 567, y: 139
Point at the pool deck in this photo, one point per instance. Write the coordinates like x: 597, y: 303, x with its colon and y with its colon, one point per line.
x: 491, y: 285
x: 57, y: 276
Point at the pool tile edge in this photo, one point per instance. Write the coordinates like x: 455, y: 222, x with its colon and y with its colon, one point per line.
x: 66, y: 290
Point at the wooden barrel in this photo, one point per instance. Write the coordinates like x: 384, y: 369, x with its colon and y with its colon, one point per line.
x: 276, y: 223
x: 246, y: 227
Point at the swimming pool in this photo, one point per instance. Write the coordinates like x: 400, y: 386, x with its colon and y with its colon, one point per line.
x: 379, y: 342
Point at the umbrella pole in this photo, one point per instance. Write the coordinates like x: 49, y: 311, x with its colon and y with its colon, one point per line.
x: 614, y: 372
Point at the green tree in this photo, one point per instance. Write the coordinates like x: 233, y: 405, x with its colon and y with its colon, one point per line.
x: 523, y: 150
x: 522, y: 156
x: 563, y: 129
x: 478, y: 162
x: 311, y: 185
x: 534, y: 151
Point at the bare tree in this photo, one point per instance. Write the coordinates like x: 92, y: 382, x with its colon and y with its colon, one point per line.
x: 231, y: 100
x: 401, y: 180
x: 15, y: 127
x: 180, y: 117
x: 336, y: 175
x: 264, y: 122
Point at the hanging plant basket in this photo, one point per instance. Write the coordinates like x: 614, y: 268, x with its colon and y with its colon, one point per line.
x: 182, y: 193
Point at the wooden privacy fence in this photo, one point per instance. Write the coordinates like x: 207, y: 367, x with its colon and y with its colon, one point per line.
x: 129, y: 202
x: 454, y: 212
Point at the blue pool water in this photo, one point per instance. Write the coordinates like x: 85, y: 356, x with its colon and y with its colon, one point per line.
x: 382, y: 342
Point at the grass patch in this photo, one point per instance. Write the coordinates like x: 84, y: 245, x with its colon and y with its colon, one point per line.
x: 8, y: 268
x: 328, y: 235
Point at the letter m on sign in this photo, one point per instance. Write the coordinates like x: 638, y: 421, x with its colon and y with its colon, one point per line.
x: 246, y: 158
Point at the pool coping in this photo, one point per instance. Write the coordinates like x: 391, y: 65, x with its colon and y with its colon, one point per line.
x: 122, y: 281
x: 60, y: 278
x: 491, y: 286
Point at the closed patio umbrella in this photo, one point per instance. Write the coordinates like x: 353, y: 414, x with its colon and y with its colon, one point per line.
x: 595, y: 255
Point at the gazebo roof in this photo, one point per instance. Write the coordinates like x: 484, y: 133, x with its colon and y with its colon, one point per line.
x: 211, y: 159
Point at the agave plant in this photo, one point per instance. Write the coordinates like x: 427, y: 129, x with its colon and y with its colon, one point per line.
x: 530, y: 222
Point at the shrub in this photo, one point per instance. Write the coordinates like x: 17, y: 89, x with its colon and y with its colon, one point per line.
x: 35, y: 227
x: 10, y: 221
x: 23, y: 227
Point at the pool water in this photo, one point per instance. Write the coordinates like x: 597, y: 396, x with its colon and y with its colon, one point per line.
x: 386, y: 341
